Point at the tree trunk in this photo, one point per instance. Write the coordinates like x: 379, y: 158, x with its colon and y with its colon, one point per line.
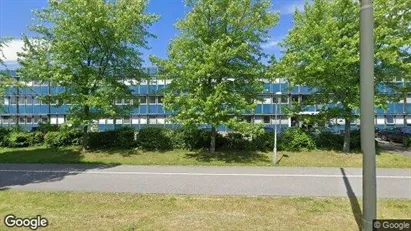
x: 85, y: 138
x: 347, y: 132
x: 213, y: 138
x: 85, y: 131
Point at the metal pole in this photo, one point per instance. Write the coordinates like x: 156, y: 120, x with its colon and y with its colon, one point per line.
x: 367, y: 113
x: 275, y: 136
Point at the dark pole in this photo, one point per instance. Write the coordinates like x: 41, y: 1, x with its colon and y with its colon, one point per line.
x: 367, y: 113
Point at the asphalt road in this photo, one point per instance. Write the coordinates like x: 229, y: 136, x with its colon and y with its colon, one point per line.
x: 251, y: 181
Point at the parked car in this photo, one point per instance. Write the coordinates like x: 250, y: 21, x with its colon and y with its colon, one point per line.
x: 396, y: 134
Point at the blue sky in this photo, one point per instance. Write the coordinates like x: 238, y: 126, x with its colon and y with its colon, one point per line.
x: 15, y: 15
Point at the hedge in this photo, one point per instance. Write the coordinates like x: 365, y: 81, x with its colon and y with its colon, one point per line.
x: 123, y: 138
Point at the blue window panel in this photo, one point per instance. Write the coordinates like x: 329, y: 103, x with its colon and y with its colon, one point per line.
x: 36, y: 109
x: 408, y: 108
x: 160, y: 109
x: 143, y: 89
x: 44, y: 109
x: 276, y: 87
x: 259, y: 109
x: 44, y: 90
x: 295, y: 90
x: 54, y: 110
x: 309, y: 108
x: 153, y: 89
x: 388, y: 90
x: 29, y: 109
x: 284, y: 87
x: 267, y: 87
x: 160, y: 87
x: 37, y: 90
x: 399, y: 107
x: 135, y: 90
x: 143, y: 109
x: 267, y: 108
x: 12, y: 109
x: 222, y: 128
x: 22, y: 109
x: 101, y: 127
x: 391, y: 108
x: 380, y: 88
x: 304, y: 90
x: 153, y: 109
x: 379, y: 111
x: 109, y: 127
x: 135, y: 111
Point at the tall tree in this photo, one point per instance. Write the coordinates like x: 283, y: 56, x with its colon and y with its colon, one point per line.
x: 322, y: 52
x: 215, y: 63
x: 89, y: 48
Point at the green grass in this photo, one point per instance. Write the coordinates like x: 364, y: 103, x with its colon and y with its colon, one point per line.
x: 114, y: 211
x: 182, y: 157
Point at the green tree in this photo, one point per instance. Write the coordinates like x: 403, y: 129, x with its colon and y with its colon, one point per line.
x: 90, y: 48
x: 215, y: 63
x: 322, y: 52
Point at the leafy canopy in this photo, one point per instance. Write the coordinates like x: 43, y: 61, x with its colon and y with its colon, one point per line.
x: 89, y: 48
x: 215, y: 63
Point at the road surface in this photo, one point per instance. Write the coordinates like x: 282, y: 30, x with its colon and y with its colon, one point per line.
x: 250, y: 181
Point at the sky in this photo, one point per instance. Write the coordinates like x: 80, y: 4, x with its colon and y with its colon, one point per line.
x: 15, y: 15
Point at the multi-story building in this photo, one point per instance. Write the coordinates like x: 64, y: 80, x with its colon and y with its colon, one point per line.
x: 22, y: 107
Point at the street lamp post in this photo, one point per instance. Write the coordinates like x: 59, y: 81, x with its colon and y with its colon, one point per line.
x: 369, y: 181
x: 278, y: 96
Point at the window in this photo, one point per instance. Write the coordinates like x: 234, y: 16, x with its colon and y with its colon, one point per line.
x: 28, y: 120
x: 266, y: 119
x: 119, y: 101
x: 389, y: 120
x: 44, y: 120
x: 22, y: 120
x: 127, y: 120
x: 143, y: 99
x: 160, y: 99
x: 36, y: 100
x: 22, y: 100
x: 151, y: 99
x: 284, y: 99
x: 127, y: 101
x: 29, y: 100
x: 294, y: 98
x: 13, y: 100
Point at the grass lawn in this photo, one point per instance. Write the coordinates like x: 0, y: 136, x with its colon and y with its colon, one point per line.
x: 182, y: 157
x: 110, y: 211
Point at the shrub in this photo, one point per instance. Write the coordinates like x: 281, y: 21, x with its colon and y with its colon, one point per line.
x: 154, y: 138
x: 295, y: 139
x: 47, y: 127
x: 407, y: 142
x: 329, y: 141
x: 4, y: 132
x: 121, y: 138
x: 264, y: 141
x: 63, y: 138
x: 36, y: 138
x: 18, y: 139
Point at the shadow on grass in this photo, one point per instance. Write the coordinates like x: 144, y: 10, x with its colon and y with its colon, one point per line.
x: 355, y: 205
x: 31, y: 166
x: 228, y: 156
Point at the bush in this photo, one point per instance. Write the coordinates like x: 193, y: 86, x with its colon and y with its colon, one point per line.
x: 237, y: 141
x: 264, y: 141
x: 154, y: 138
x: 63, y: 138
x: 407, y: 142
x: 4, y: 132
x: 295, y: 139
x: 121, y: 138
x: 18, y: 139
x: 36, y: 138
x: 329, y: 141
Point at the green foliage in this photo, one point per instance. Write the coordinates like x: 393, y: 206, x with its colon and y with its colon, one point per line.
x: 264, y: 141
x: 36, y: 138
x: 121, y: 138
x: 322, y: 52
x: 215, y: 63
x: 18, y: 139
x: 4, y: 132
x: 407, y: 142
x: 63, y: 138
x: 154, y: 138
x: 295, y: 139
x: 89, y: 48
x: 47, y: 127
x: 329, y: 141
